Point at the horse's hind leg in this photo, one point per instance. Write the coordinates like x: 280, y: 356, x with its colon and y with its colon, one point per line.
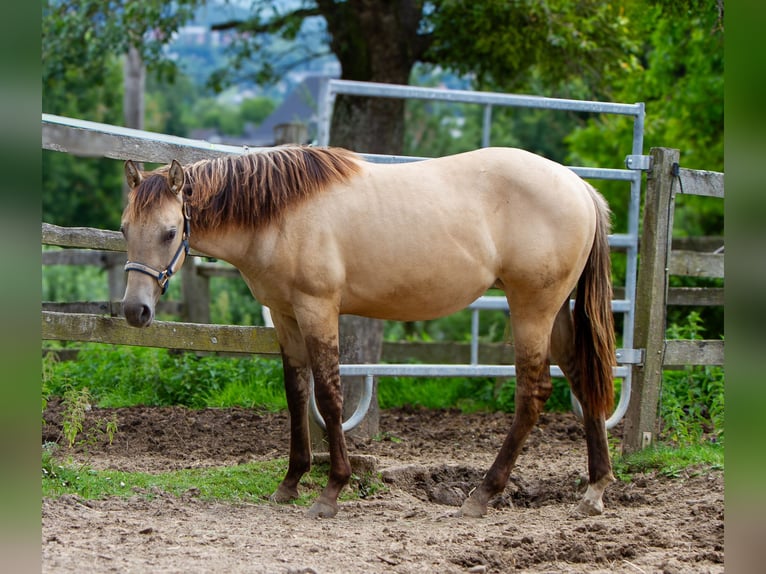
x: 599, y: 465
x: 533, y: 387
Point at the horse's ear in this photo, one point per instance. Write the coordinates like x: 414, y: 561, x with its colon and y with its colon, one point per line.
x: 132, y: 174
x: 176, y: 177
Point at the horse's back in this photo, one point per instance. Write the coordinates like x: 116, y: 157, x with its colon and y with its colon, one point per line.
x: 420, y: 240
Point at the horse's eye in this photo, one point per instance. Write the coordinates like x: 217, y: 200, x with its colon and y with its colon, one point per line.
x: 170, y: 235
x: 122, y: 230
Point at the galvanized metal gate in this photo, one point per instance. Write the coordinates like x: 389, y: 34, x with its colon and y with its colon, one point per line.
x: 627, y: 239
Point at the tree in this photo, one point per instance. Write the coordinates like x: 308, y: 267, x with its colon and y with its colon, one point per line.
x: 504, y: 44
x: 80, y: 37
x: 680, y: 78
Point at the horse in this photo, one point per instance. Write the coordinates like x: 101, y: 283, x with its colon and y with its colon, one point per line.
x: 317, y: 232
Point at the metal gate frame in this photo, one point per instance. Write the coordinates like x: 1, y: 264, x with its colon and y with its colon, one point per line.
x: 635, y: 163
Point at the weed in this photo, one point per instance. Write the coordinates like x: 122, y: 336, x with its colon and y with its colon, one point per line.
x: 367, y: 485
x: 77, y: 403
x: 386, y: 436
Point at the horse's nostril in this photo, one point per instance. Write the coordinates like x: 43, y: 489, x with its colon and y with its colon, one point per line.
x: 146, y: 314
x: 138, y: 314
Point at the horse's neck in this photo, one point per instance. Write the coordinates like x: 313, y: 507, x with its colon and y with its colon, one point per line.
x: 242, y: 248
x: 219, y: 245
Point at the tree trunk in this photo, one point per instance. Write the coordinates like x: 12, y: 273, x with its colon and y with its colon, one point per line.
x: 361, y: 341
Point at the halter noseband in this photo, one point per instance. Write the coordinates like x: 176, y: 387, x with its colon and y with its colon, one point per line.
x: 163, y: 276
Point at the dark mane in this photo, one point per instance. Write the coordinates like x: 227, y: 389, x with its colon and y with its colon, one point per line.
x: 256, y: 188
x: 247, y: 190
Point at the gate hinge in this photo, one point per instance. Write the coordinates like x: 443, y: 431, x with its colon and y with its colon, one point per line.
x: 630, y: 356
x: 638, y: 162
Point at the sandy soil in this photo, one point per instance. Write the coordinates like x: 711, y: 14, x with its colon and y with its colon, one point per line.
x: 429, y: 460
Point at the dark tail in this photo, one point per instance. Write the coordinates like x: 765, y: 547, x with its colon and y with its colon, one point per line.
x: 593, y: 319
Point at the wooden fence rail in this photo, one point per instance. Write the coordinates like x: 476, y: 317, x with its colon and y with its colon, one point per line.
x: 658, y: 262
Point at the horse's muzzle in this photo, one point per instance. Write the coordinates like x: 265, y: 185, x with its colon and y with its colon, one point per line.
x: 138, y: 314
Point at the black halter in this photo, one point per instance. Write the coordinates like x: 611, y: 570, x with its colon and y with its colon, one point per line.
x: 163, y: 276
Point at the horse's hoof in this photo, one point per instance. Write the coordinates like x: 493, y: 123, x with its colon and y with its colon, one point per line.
x: 589, y: 508
x: 284, y: 494
x: 322, y: 510
x: 472, y: 509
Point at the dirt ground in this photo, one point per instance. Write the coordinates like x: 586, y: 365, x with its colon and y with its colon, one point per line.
x: 428, y: 460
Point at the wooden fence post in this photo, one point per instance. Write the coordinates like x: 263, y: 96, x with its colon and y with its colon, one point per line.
x: 195, y: 290
x: 651, y: 301
x: 115, y: 269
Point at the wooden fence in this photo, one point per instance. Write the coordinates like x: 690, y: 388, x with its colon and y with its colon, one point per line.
x: 658, y: 261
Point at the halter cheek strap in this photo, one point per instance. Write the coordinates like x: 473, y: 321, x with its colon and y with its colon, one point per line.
x: 163, y: 276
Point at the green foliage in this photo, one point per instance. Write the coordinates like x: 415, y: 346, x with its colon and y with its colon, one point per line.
x: 468, y: 394
x: 508, y: 45
x: 692, y: 401
x: 73, y: 282
x: 80, y: 191
x: 680, y: 79
x: 118, y: 376
x: 493, y: 327
x: 80, y: 36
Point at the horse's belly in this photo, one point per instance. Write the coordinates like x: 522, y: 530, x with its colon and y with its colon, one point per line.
x: 406, y: 294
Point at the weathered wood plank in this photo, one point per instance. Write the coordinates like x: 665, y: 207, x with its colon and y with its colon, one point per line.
x: 112, y: 308
x: 83, y: 237
x: 94, y: 139
x: 651, y: 298
x: 701, y: 182
x: 680, y: 353
x: 89, y: 238
x: 167, y: 334
x: 195, y: 291
x: 693, y: 264
x: 696, y: 296
x: 83, y: 257
x: 702, y: 243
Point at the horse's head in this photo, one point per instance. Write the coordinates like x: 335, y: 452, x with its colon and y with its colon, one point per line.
x: 155, y: 224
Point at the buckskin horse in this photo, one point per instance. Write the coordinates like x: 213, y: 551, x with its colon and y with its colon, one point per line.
x: 319, y: 232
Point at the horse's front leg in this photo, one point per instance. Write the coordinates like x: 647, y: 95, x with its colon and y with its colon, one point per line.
x: 297, y: 373
x: 318, y: 320
x: 324, y: 357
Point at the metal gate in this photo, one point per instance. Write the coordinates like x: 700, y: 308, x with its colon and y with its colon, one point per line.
x: 627, y: 240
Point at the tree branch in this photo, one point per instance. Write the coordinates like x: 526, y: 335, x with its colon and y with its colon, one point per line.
x: 271, y: 26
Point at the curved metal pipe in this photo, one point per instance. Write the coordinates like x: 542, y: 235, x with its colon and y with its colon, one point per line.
x: 359, y: 413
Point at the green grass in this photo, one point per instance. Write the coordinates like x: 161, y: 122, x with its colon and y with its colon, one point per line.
x: 250, y: 482
x: 670, y: 461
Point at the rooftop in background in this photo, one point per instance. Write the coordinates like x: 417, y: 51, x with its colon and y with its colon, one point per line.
x: 300, y: 106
